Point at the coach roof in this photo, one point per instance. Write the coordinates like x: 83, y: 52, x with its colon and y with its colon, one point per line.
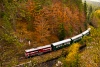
x: 60, y: 42
x: 77, y: 36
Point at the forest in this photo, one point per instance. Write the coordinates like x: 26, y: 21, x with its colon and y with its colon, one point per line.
x: 25, y: 24
x: 42, y: 22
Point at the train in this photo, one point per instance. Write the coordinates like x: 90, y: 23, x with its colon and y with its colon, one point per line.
x: 55, y: 46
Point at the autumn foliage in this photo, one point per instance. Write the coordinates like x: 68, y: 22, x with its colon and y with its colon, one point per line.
x: 44, y: 21
x: 72, y: 57
x: 40, y: 21
x: 26, y: 24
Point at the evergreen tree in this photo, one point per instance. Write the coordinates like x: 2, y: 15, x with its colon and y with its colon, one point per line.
x: 62, y: 33
x: 89, y: 14
x: 79, y: 4
x: 90, y: 9
x: 85, y: 9
x: 85, y: 13
x: 9, y: 11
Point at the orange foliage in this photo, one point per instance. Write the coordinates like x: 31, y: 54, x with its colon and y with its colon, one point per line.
x: 42, y: 27
x: 47, y: 20
x: 30, y: 6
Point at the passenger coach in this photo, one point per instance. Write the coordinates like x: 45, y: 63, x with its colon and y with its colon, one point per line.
x: 76, y: 38
x: 61, y: 44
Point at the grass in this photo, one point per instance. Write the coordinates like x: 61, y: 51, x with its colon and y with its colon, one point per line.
x: 90, y: 57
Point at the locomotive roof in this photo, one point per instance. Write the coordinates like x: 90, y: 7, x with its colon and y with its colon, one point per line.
x: 86, y: 31
x: 60, y: 42
x: 77, y: 36
x: 89, y: 29
x: 33, y: 49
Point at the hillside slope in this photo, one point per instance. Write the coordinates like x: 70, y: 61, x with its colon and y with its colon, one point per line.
x: 26, y: 24
x: 90, y: 57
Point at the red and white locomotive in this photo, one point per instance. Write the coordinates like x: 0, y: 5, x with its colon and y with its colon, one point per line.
x: 37, y: 51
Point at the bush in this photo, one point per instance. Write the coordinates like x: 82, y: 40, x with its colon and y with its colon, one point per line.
x: 9, y: 39
x: 72, y: 59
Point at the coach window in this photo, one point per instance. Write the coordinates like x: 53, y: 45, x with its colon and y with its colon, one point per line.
x: 61, y: 45
x: 56, y: 46
x: 68, y: 43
